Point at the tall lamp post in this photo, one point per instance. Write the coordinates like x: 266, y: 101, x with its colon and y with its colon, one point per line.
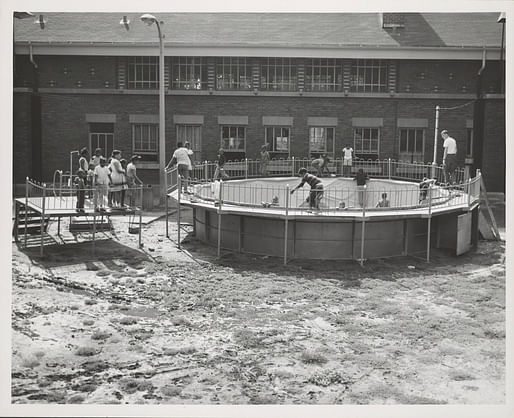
x: 149, y: 20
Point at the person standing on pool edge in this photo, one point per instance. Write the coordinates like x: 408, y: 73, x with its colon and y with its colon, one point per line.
x: 316, y: 192
x: 449, y: 156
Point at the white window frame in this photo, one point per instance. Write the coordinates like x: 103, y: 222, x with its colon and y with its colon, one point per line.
x: 189, y: 73
x: 318, y: 72
x: 359, y: 150
x: 279, y: 74
x: 100, y: 139
x: 148, y: 153
x: 229, y: 138
x: 415, y: 156
x: 143, y: 72
x: 233, y: 73
x: 328, y: 149
x: 186, y: 132
x: 277, y: 132
x: 369, y: 75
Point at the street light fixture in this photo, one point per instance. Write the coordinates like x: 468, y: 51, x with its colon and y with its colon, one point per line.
x: 149, y: 20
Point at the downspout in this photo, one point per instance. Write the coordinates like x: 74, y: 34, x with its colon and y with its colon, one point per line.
x: 478, y: 119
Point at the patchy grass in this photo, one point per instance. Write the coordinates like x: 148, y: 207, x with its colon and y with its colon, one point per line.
x: 100, y: 335
x: 88, y: 322
x: 128, y: 320
x: 313, y: 357
x: 180, y: 320
x: 172, y: 351
x: 30, y: 363
x: 247, y: 338
x: 90, y: 302
x: 129, y: 385
x: 171, y: 390
x: 86, y: 351
x: 325, y: 377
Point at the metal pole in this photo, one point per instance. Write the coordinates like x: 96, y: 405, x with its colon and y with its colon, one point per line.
x: 166, y: 202
x: 286, y: 224
x: 42, y: 220
x: 429, y: 220
x: 206, y: 170
x: 219, y: 218
x: 389, y: 168
x: 162, y: 117
x: 436, y: 131
x: 94, y: 229
x: 363, y: 227
x: 246, y: 168
x: 292, y: 167
x: 60, y: 183
x: 26, y: 208
x: 141, y: 225
x: 179, y: 183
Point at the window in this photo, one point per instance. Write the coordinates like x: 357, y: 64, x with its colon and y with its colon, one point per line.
x: 145, y: 140
x: 232, y: 74
x: 233, y: 141
x: 412, y: 145
x: 101, y: 135
x: 323, y: 75
x: 143, y: 73
x: 278, y: 74
x: 366, y: 142
x: 278, y: 139
x: 189, y: 73
x: 193, y: 135
x: 321, y: 141
x: 368, y: 76
x: 469, y: 143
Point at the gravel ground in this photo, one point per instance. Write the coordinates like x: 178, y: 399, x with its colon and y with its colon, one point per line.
x: 164, y: 326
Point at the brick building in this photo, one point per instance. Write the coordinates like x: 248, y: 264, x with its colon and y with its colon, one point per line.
x: 304, y: 83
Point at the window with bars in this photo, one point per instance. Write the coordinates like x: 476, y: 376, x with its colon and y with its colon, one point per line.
x: 366, y: 142
x: 145, y: 141
x: 193, y: 135
x: 323, y: 75
x: 143, y: 73
x: 233, y: 74
x: 189, y: 73
x: 277, y: 138
x: 412, y: 145
x: 368, y: 75
x: 101, y: 135
x: 321, y: 141
x: 233, y: 141
x: 278, y: 74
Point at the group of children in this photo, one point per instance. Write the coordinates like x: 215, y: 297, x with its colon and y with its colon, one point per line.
x: 107, y: 181
x: 361, y: 178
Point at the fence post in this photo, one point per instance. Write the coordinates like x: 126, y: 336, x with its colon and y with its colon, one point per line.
x: 246, y: 168
x: 389, y: 168
x: 220, y: 202
x: 60, y: 183
x: 292, y: 168
x: 363, y: 225
x: 141, y: 214
x: 469, y: 192
x: 286, y: 224
x: 205, y: 170
x: 430, y: 189
x: 26, y: 208
x: 165, y: 201
x: 42, y: 220
x: 179, y: 183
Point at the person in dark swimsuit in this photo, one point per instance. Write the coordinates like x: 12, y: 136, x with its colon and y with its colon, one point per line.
x: 316, y: 192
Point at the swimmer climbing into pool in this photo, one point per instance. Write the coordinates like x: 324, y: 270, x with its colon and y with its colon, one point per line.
x: 316, y: 192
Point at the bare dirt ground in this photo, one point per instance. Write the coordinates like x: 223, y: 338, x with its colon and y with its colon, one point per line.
x: 163, y: 326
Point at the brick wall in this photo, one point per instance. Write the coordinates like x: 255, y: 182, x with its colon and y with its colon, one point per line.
x: 22, y: 146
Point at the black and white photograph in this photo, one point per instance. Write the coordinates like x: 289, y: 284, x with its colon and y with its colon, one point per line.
x: 256, y: 208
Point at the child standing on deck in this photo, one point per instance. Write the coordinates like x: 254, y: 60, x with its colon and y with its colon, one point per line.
x: 80, y: 184
x: 102, y: 180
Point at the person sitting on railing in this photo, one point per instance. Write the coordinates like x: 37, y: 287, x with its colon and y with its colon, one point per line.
x: 320, y: 164
x: 384, y: 202
x: 361, y: 177
x: 80, y: 184
x: 219, y: 173
x: 423, y: 188
x: 316, y: 193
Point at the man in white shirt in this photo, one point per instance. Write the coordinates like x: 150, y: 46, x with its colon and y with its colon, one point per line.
x: 347, y: 160
x: 181, y: 159
x: 449, y: 156
x: 102, y: 181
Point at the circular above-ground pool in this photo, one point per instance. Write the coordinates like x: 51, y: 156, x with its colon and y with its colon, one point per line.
x: 260, y: 216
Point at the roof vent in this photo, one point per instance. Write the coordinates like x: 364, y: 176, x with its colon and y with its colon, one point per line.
x: 393, y: 20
